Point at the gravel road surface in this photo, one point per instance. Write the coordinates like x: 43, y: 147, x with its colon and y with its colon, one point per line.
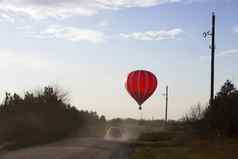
x: 75, y: 148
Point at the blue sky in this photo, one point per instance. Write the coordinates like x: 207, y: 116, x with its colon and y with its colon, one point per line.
x: 87, y: 47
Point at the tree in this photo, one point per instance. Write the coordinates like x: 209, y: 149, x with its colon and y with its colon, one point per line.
x: 222, y: 116
x: 195, y: 114
x: 43, y: 117
x: 227, y: 89
x: 103, y: 119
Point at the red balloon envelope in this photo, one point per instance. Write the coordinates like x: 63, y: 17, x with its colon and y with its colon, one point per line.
x: 141, y: 85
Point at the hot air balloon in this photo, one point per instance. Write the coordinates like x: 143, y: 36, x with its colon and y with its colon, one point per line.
x: 141, y: 84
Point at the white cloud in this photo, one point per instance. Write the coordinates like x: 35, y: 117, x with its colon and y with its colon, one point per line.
x: 24, y: 28
x: 154, y: 35
x: 222, y: 54
x: 228, y: 52
x: 10, y: 58
x: 235, y: 29
x: 104, y: 23
x: 7, y: 18
x: 41, y: 9
x: 70, y: 33
x: 119, y: 4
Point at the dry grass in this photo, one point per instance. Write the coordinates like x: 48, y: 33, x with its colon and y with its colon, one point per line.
x: 194, y: 148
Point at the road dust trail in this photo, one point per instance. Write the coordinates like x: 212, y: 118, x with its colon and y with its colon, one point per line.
x: 75, y: 148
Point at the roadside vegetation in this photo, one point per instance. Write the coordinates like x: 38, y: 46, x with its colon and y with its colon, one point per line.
x: 205, y: 132
x: 42, y: 117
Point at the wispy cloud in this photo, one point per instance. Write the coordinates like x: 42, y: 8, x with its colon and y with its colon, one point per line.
x: 22, y: 61
x: 41, y: 9
x: 222, y: 54
x: 228, y: 52
x: 10, y: 58
x: 154, y: 35
x: 74, y: 34
x: 104, y: 23
x: 120, y: 4
x: 235, y: 29
x: 7, y: 18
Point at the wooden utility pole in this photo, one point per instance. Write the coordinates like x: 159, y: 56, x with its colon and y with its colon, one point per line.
x: 166, y: 104
x: 212, y: 34
x: 213, y: 57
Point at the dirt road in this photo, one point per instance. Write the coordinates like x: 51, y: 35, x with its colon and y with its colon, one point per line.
x: 75, y: 148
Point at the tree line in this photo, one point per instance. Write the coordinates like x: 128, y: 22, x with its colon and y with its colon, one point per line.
x: 43, y: 117
x: 221, y: 118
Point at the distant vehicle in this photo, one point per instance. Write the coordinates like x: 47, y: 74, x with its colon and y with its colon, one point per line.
x: 115, y: 133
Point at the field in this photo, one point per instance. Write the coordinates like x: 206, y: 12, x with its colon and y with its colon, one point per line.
x: 172, y: 146
x: 157, y: 140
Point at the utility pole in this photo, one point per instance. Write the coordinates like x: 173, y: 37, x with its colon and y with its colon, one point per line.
x: 212, y: 58
x: 212, y: 34
x: 166, y: 105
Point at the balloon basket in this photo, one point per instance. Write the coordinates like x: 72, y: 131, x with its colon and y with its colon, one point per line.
x: 141, y: 113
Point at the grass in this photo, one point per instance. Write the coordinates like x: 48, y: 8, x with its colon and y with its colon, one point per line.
x: 195, y: 148
x: 156, y: 136
x: 185, y: 152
